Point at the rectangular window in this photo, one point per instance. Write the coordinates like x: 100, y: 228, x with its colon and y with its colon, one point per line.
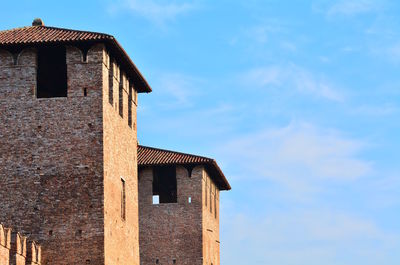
x: 123, y: 200
x: 215, y: 205
x: 51, y: 72
x: 121, y: 96
x: 111, y: 82
x: 156, y: 199
x: 130, y: 104
x: 135, y: 96
x: 164, y: 184
x: 210, y: 198
x: 206, y: 192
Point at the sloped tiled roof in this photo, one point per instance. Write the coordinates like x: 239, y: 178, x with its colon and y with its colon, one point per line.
x: 150, y: 156
x: 43, y: 35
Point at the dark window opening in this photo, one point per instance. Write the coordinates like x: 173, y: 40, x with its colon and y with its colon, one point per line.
x: 123, y: 200
x: 157, y: 261
x: 121, y: 96
x: 84, y: 55
x: 130, y: 105
x: 215, y: 205
x: 52, y: 72
x: 174, y: 261
x: 164, y: 184
x: 210, y: 199
x: 85, y: 92
x: 111, y: 82
x: 206, y: 190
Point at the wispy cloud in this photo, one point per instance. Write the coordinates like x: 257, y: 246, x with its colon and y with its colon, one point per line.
x: 158, y: 11
x: 292, y: 77
x: 354, y: 7
x: 301, y: 157
x: 314, y: 236
x: 389, y: 50
x: 176, y: 90
x: 263, y: 32
x: 377, y: 110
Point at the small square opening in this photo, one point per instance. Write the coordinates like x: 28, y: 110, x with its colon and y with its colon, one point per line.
x: 156, y: 199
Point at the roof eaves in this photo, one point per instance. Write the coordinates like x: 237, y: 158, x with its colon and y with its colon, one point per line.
x: 146, y: 86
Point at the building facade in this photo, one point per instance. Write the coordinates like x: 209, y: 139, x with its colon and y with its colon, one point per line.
x: 179, y: 208
x: 68, y: 144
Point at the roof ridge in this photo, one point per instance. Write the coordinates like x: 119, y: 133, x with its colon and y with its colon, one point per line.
x: 176, y: 152
x: 58, y: 28
x: 18, y: 28
x: 77, y: 30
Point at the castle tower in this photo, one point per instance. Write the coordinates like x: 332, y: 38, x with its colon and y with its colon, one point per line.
x: 68, y: 144
x: 179, y: 208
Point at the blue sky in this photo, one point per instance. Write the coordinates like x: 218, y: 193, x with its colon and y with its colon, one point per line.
x: 298, y: 101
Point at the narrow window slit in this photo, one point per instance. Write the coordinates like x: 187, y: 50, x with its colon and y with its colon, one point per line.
x: 123, y: 200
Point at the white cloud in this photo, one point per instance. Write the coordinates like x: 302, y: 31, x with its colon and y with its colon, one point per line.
x: 263, y: 32
x: 383, y: 191
x: 301, y: 158
x: 292, y: 76
x: 176, y: 90
x: 158, y: 11
x: 387, y: 49
x: 378, y: 110
x: 354, y: 7
x: 316, y: 236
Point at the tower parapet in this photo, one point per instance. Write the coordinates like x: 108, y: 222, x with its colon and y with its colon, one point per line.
x: 17, y: 249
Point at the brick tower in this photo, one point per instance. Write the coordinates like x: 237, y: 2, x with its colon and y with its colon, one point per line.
x: 68, y: 144
x: 179, y: 208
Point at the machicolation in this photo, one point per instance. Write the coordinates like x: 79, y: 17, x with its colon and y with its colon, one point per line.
x: 16, y: 249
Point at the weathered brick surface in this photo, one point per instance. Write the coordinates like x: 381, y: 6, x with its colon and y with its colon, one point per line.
x: 61, y: 160
x: 120, y: 162
x: 210, y: 220
x: 177, y: 230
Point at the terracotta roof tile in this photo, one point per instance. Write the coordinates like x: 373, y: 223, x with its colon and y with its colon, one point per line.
x: 150, y: 156
x: 155, y: 156
x: 44, y: 34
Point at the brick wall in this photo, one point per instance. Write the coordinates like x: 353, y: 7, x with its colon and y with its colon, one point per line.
x: 210, y: 220
x: 51, y: 159
x: 120, y: 163
x: 187, y: 232
x: 61, y: 160
x: 172, y: 230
